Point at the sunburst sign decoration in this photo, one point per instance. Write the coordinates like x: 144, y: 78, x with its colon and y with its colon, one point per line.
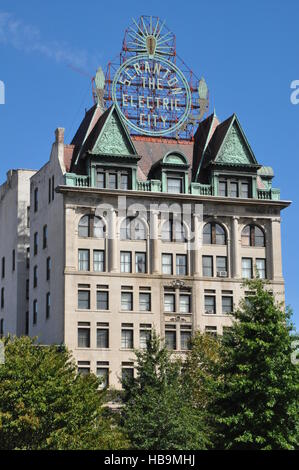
x: 156, y: 93
x: 150, y: 38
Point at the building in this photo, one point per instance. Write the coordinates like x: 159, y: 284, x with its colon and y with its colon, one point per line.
x: 133, y: 231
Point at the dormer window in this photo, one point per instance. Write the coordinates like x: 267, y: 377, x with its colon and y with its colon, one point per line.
x: 174, y: 185
x: 233, y: 188
x: 110, y: 178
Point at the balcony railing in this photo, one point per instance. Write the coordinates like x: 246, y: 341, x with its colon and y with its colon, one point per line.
x: 271, y: 194
x: 83, y: 181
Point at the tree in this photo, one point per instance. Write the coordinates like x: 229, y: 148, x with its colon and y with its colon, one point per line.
x: 255, y: 404
x: 45, y: 404
x: 157, y: 412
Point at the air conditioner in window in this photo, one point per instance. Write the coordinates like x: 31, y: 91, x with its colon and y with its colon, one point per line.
x: 222, y: 273
x: 209, y: 311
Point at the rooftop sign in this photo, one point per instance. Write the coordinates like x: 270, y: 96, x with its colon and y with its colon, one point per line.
x: 154, y: 90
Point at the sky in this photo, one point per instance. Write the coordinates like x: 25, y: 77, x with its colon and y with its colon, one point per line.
x: 248, y: 53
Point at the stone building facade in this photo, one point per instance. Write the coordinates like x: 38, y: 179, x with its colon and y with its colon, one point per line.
x: 203, y: 215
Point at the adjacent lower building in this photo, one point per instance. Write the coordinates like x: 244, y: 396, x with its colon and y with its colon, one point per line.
x: 126, y: 234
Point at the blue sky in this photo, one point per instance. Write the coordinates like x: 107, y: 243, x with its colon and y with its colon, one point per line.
x: 248, y: 53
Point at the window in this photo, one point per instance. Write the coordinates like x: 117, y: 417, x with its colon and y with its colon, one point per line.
x: 166, y: 263
x: 3, y: 268
x: 53, y: 188
x: 233, y: 189
x: 1, y: 327
x: 140, y: 262
x: 169, y: 302
x: 83, y: 335
x: 222, y: 188
x: 145, y: 301
x: 112, y: 180
x: 127, y: 336
x: 2, y: 297
x: 173, y: 230
x: 185, y: 303
x: 207, y: 266
x: 27, y: 289
x: 99, y: 260
x: 35, y: 276
x: 83, y: 299
x: 261, y: 267
x: 181, y: 265
x: 36, y: 200
x: 34, y: 312
x: 210, y: 304
x: 211, y: 330
x: 132, y: 228
x: 125, y: 262
x: 145, y: 334
x: 35, y: 243
x: 83, y: 367
x: 227, y: 304
x: 48, y: 270
x: 49, y: 191
x: 48, y: 304
x: 221, y: 266
x: 84, y: 226
x: 244, y: 190
x: 13, y: 260
x: 27, y: 257
x: 28, y: 216
x: 103, y: 374
x: 103, y: 335
x: 124, y: 181
x: 247, y: 268
x: 45, y: 236
x: 185, y: 337
x: 98, y: 228
x: 127, y: 371
x: 170, y: 337
x: 126, y: 300
x: 214, y: 234
x: 174, y: 185
x: 83, y: 260
x: 102, y: 298
x: 100, y: 180
x: 91, y: 226
x: 253, y: 236
x: 27, y: 323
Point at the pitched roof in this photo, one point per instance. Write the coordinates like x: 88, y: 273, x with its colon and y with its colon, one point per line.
x: 202, y: 136
x: 152, y: 149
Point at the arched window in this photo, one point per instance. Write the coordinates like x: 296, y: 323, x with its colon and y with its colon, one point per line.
x: 84, y: 226
x: 214, y: 234
x: 252, y: 235
x: 91, y: 226
x: 132, y: 228
x: 173, y: 230
x: 98, y: 227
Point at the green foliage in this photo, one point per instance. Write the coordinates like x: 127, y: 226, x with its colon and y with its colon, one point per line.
x: 157, y: 412
x: 44, y: 404
x: 255, y: 403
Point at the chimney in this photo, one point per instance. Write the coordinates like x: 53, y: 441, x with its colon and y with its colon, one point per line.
x: 59, y: 135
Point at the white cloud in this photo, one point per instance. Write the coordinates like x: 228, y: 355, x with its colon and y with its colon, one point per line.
x: 25, y: 37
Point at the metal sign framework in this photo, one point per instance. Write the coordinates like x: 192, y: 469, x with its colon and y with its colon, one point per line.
x: 149, y: 40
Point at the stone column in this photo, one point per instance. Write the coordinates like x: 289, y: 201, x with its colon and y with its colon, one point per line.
x: 197, y: 248
x: 235, y: 251
x: 155, y: 242
x: 274, y: 243
x: 113, y: 241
